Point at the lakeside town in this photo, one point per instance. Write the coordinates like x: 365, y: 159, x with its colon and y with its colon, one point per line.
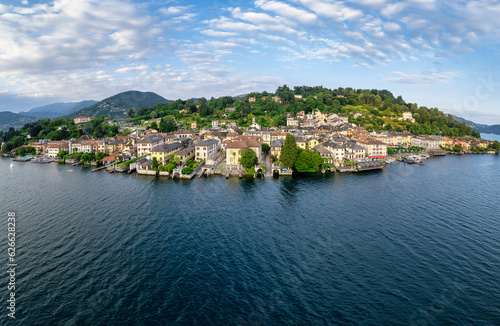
x: 319, y: 141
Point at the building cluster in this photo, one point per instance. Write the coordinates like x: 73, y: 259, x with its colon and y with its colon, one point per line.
x: 331, y: 135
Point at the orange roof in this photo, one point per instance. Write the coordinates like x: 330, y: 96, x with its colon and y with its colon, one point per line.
x: 237, y: 144
x: 109, y: 158
x: 249, y: 141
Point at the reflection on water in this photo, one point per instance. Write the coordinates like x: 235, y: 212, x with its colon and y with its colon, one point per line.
x: 406, y: 245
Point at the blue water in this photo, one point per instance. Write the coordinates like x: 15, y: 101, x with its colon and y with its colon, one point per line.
x: 410, y: 245
x: 491, y: 137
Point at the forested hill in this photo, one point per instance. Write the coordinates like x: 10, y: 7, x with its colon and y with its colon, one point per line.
x: 377, y: 110
x: 118, y: 105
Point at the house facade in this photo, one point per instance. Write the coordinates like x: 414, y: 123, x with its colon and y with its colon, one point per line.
x: 206, y: 149
x: 163, y: 152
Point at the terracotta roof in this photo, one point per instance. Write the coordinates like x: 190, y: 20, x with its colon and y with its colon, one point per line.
x: 249, y: 141
x: 237, y: 144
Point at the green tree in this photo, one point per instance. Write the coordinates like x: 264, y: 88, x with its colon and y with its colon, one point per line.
x: 266, y: 148
x: 495, y: 145
x: 61, y: 153
x: 154, y: 165
x: 170, y: 167
x: 187, y: 170
x: 21, y: 151
x: 307, y: 161
x: 131, y: 113
x: 99, y: 156
x: 86, y: 157
x: 303, y: 161
x: 175, y: 159
x: 248, y: 158
x: 289, y: 151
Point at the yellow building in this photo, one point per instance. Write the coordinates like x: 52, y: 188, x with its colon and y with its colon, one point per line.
x: 233, y: 152
x: 81, y: 119
x: 185, y: 154
x: 233, y: 149
x: 163, y: 152
x: 311, y: 143
x: 301, y: 142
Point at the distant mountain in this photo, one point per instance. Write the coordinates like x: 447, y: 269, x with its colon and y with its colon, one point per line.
x: 117, y: 106
x: 482, y: 128
x: 9, y: 119
x: 56, y: 110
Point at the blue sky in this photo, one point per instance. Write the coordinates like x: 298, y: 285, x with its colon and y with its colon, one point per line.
x: 443, y: 54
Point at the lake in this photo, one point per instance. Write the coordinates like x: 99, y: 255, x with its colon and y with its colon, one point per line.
x: 409, y: 245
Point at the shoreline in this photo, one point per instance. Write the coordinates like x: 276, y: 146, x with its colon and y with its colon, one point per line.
x: 402, y: 158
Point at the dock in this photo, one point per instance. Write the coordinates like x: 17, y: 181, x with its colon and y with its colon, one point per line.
x: 99, y: 168
x: 22, y: 159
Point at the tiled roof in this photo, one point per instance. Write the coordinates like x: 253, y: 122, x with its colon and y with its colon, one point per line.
x: 237, y: 145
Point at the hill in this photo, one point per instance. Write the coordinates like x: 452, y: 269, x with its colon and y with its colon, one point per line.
x: 118, y: 105
x: 57, y: 109
x: 9, y: 119
x: 482, y: 128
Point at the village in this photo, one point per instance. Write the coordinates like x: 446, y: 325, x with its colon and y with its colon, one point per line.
x: 342, y: 145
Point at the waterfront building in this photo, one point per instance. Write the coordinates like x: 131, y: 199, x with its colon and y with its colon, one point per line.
x: 148, y: 144
x: 163, y: 152
x: 206, y: 149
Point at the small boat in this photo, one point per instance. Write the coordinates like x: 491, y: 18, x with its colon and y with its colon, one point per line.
x: 11, y: 165
x: 70, y: 170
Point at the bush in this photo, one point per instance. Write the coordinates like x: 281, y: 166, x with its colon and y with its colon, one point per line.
x: 171, y: 167
x: 162, y: 168
x: 187, y: 170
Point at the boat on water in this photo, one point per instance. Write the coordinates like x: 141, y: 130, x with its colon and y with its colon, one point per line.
x: 11, y: 165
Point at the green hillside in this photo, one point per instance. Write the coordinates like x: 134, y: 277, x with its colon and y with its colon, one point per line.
x: 118, y: 105
x: 9, y: 119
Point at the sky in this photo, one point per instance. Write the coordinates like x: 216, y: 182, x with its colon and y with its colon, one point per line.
x: 443, y: 54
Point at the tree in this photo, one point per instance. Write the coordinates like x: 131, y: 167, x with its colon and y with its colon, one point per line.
x: 99, y: 156
x: 170, y: 167
x: 495, y: 145
x: 61, y: 153
x: 175, y: 159
x: 154, y: 125
x: 21, y: 151
x: 86, y: 157
x: 131, y: 113
x: 248, y: 158
x: 289, y: 151
x: 154, y: 165
x: 303, y: 161
x: 266, y: 148
x: 187, y: 170
x: 142, y: 111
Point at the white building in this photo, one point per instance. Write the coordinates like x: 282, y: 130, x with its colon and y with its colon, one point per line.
x: 146, y: 145
x: 205, y: 149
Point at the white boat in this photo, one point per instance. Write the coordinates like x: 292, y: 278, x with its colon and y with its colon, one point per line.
x: 11, y: 165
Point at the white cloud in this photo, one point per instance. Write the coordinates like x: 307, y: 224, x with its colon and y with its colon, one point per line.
x: 175, y: 10
x: 74, y: 34
x: 288, y: 11
x: 392, y: 27
x: 132, y: 68
x: 425, y: 78
x: 211, y: 32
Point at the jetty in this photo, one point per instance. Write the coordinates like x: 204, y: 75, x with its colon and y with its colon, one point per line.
x: 99, y: 168
x: 42, y: 160
x: 22, y: 159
